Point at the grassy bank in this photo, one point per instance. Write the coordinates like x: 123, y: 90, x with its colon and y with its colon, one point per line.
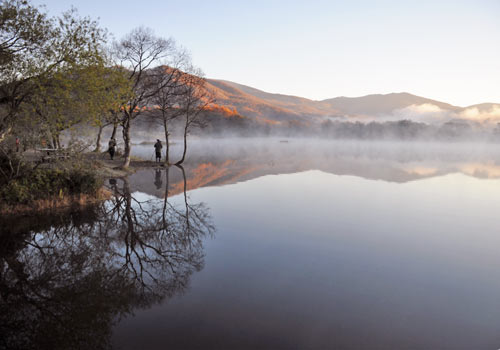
x: 28, y: 186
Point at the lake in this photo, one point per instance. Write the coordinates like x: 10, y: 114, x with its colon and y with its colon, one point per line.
x: 270, y: 244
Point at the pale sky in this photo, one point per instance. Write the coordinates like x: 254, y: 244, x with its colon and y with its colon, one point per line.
x: 445, y: 50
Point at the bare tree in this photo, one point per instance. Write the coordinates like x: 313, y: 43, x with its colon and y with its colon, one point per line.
x: 194, y: 99
x: 139, y: 51
x: 170, y: 82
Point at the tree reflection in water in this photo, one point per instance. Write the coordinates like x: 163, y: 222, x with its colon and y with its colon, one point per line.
x: 65, y: 280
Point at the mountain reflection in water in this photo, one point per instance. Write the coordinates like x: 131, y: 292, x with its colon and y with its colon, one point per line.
x: 66, y: 279
x: 222, y: 162
x: 309, y: 259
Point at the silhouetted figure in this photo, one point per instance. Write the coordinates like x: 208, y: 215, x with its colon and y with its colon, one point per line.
x: 158, y: 147
x: 112, y: 148
x: 17, y: 144
x: 158, y: 181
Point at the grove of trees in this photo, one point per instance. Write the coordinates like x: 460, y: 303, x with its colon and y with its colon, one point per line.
x: 60, y: 72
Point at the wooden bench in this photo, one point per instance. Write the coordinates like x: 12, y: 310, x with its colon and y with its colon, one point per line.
x: 51, y: 155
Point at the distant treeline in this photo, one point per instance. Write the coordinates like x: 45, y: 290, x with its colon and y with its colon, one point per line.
x: 408, y: 130
x: 235, y: 125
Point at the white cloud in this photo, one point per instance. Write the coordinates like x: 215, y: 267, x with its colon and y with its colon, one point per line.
x: 491, y: 114
x: 424, y: 113
x: 431, y: 114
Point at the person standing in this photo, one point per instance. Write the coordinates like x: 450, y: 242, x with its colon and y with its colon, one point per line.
x: 158, y: 147
x: 112, y: 147
x: 17, y: 144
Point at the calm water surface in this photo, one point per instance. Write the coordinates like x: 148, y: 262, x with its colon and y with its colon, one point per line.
x: 271, y: 245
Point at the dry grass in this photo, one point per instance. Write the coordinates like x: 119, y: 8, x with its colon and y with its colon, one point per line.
x: 56, y: 203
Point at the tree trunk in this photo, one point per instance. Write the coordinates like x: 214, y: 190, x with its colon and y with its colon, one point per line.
x: 165, y: 128
x: 58, y: 142
x: 113, y: 134
x: 98, y: 142
x: 126, y: 140
x: 128, y: 217
x: 185, y: 145
x: 165, y: 201
x: 188, y: 228
x: 54, y: 142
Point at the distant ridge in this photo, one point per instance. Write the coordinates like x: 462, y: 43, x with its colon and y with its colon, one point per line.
x: 382, y: 104
x: 253, y: 102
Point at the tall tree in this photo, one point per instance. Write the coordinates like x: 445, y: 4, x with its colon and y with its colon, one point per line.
x: 170, y: 81
x: 35, y: 48
x: 109, y: 92
x: 194, y: 99
x: 25, y: 36
x: 75, y: 95
x: 139, y: 51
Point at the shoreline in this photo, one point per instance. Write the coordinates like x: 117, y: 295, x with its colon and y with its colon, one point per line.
x: 56, y: 203
x: 104, y: 169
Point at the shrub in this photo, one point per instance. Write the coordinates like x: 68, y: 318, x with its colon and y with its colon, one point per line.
x: 46, y: 183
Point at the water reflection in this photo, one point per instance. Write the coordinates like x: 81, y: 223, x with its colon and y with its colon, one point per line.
x: 65, y: 280
x: 308, y: 260
x: 319, y: 261
x: 222, y: 162
x: 158, y: 179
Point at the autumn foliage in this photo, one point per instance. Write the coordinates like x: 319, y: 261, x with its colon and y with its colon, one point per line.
x: 224, y: 110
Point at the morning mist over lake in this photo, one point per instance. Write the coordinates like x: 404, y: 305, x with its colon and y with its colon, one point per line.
x: 249, y: 175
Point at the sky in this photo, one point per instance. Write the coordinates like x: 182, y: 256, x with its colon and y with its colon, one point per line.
x: 444, y: 50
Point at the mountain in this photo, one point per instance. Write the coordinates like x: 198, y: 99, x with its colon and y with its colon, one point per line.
x: 382, y: 104
x: 285, y: 103
x: 259, y: 104
x: 484, y: 107
x: 269, y: 107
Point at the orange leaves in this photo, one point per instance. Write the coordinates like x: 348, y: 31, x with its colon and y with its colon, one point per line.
x: 224, y: 110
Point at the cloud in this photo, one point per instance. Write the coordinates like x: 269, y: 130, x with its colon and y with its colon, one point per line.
x: 423, y: 113
x: 434, y: 115
x: 491, y: 114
